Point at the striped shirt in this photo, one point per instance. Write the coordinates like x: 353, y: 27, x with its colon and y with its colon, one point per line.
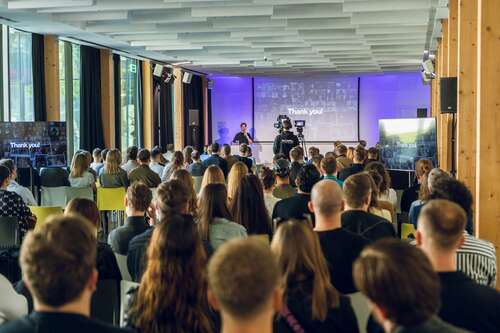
x: 477, y: 259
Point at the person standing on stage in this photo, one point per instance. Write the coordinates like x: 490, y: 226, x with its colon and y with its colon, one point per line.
x: 286, y: 140
x: 243, y: 136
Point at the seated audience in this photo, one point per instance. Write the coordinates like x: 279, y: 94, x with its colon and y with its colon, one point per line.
x: 386, y: 193
x: 24, y: 192
x: 356, y: 218
x: 131, y: 159
x: 214, y: 220
x: 112, y: 175
x: 237, y: 172
x: 340, y: 247
x: 373, y: 155
x: 402, y: 300
x: 329, y: 170
x: 79, y: 175
x: 464, y: 303
x: 100, y: 167
x: 313, y: 152
x: 342, y: 160
x: 12, y: 305
x: 357, y: 165
x: 375, y: 208
x: 186, y: 152
x: 244, y: 285
x: 184, y: 176
x: 350, y: 153
x: 268, y: 180
x: 97, y: 161
x: 207, y: 151
x: 249, y: 209
x: 309, y: 296
x: 316, y: 161
x: 107, y: 265
x: 196, y: 169
x: 297, y: 160
x: 244, y: 156
x: 137, y: 202
x: 156, y: 161
x: 88, y: 155
x: 169, y: 154
x: 216, y: 160
x: 283, y: 189
x: 296, y: 207
x: 213, y: 175
x: 58, y: 264
x: 226, y: 155
x: 12, y: 205
x: 176, y: 163
x: 172, y: 295
x: 422, y: 168
x: 172, y: 198
x: 143, y: 173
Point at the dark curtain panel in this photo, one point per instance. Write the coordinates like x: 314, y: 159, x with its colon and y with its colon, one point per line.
x: 92, y: 134
x: 169, y: 113
x: 209, y: 99
x: 140, y: 104
x: 38, y: 51
x: 193, y: 100
x: 156, y: 112
x: 118, y: 99
x: 163, y: 112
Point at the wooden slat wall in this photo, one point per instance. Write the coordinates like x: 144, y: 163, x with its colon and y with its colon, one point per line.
x: 107, y: 98
x: 205, y: 109
x: 52, y: 91
x: 178, y: 110
x: 147, y: 107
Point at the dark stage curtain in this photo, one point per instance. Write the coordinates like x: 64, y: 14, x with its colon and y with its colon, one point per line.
x: 162, y: 112
x: 118, y: 99
x: 193, y: 100
x: 38, y: 52
x: 91, y: 134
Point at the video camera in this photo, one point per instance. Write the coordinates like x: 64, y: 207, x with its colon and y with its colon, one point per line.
x: 279, y: 122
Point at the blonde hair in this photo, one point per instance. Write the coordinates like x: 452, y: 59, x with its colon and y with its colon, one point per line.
x: 350, y: 153
x: 113, y: 161
x: 213, y: 175
x: 79, y: 165
x: 238, y: 171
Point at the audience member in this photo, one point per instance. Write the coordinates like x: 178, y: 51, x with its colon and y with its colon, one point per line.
x: 137, y: 202
x: 143, y: 173
x: 268, y: 180
x: 89, y: 158
x: 373, y: 155
x: 249, y: 209
x: 464, y: 303
x: 156, y: 161
x: 329, y: 170
x: 422, y: 167
x: 213, y: 175
x: 100, y: 167
x: 131, y: 159
x: 12, y: 305
x: 176, y: 163
x: 350, y: 153
x: 402, y: 300
x: 296, y: 207
x: 169, y: 154
x: 216, y: 160
x: 386, y: 193
x: 112, y: 175
x: 244, y: 156
x: 309, y: 296
x: 297, y: 160
x: 357, y: 165
x: 214, y: 221
x: 374, y: 208
x: 22, y: 191
x: 184, y: 176
x: 226, y: 155
x: 79, y: 175
x: 342, y: 160
x: 196, y: 169
x: 172, y: 295
x: 58, y: 264
x: 186, y: 152
x: 316, y: 161
x: 207, y: 151
x: 243, y: 281
x: 283, y: 189
x: 340, y: 247
x: 356, y: 218
x: 237, y: 172
x: 97, y: 161
x: 313, y: 152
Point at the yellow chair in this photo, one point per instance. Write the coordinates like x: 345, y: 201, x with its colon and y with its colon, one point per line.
x: 111, y: 199
x: 407, y: 229
x: 42, y: 213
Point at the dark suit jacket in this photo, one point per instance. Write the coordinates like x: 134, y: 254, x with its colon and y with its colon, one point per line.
x: 367, y: 225
x: 218, y: 161
x: 120, y: 237
x: 352, y: 170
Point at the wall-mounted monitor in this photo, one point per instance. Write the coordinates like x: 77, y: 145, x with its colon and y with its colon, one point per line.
x: 34, y: 144
x: 405, y: 141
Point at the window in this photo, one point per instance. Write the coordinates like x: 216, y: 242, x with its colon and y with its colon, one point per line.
x: 62, y: 80
x: 129, y: 90
x: 76, y: 94
x: 20, y: 76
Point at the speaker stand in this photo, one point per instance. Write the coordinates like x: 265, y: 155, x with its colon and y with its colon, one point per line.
x: 453, y: 144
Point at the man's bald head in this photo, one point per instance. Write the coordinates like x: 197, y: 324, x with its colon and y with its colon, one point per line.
x: 326, y: 198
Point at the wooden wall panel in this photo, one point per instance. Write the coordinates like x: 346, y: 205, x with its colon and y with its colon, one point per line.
x: 204, y: 82
x: 108, y: 98
x: 444, y: 121
x: 52, y: 90
x: 147, y: 105
x: 178, y: 110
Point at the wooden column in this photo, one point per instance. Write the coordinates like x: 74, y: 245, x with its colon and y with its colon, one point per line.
x: 442, y: 128
x: 52, y: 90
x: 467, y: 85
x: 204, y: 82
x: 178, y: 110
x: 147, y: 104
x: 108, y: 98
x: 488, y: 124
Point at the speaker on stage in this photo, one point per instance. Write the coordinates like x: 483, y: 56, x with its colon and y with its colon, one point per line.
x: 448, y: 93
x: 186, y: 78
x: 194, y: 117
x: 422, y: 113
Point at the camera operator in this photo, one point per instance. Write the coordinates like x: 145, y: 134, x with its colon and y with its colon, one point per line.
x: 286, y: 140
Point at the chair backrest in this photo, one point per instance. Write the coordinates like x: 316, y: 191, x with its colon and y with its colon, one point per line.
x: 9, y: 233
x: 111, y: 198
x: 197, y: 183
x: 105, y: 304
x: 54, y: 196
x: 407, y: 230
x: 79, y: 192
x: 53, y: 177
x: 42, y: 212
x: 387, y: 205
x: 125, y: 286
x: 122, y: 265
x: 361, y: 309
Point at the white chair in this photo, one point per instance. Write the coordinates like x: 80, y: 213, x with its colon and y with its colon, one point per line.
x: 122, y: 265
x: 79, y: 192
x: 54, y: 196
x: 360, y: 305
x: 197, y: 183
x: 125, y: 286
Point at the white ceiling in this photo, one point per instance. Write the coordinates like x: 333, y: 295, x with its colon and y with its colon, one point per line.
x: 251, y: 37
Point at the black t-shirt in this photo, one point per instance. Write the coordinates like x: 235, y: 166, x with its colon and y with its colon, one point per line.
x: 56, y: 322
x: 352, y: 170
x: 341, y: 248
x: 466, y: 304
x: 284, y: 142
x: 367, y: 225
x: 241, y: 138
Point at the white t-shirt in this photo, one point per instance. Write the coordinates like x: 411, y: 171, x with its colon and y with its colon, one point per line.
x: 390, y: 196
x: 86, y: 180
x: 23, y: 192
x: 12, y: 305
